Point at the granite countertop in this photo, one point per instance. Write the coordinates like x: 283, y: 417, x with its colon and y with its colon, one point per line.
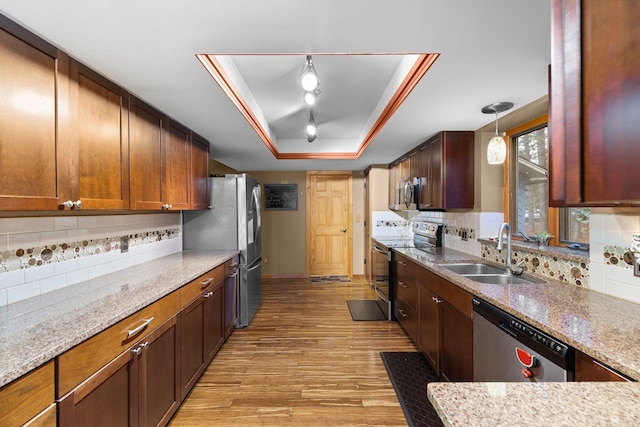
x: 604, y: 327
x: 536, y: 404
x: 36, y: 330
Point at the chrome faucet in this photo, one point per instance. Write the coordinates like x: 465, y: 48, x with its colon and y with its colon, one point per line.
x: 513, y: 269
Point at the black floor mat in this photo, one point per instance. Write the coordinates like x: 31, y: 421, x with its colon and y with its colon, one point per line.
x: 365, y: 310
x: 409, y: 373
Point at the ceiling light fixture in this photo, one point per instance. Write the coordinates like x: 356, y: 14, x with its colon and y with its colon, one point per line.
x: 497, y: 149
x: 309, y: 76
x: 312, y: 127
x: 310, y: 97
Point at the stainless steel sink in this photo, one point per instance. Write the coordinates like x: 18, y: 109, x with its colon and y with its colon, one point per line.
x: 473, y: 268
x: 500, y: 279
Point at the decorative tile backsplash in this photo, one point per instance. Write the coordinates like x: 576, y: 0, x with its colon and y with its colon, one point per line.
x: 42, y: 254
x: 20, y: 258
x: 554, y: 267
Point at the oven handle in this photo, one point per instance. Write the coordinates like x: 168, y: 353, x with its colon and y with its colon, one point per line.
x: 380, y: 295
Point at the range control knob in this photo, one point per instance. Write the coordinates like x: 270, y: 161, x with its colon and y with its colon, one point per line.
x: 526, y: 372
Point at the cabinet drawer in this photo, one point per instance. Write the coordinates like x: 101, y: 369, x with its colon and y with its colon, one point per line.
x: 407, y: 290
x: 46, y: 418
x: 405, y: 269
x: 231, y: 265
x: 26, y: 397
x: 78, y: 363
x: 193, y: 290
x: 408, y: 318
x: 450, y: 292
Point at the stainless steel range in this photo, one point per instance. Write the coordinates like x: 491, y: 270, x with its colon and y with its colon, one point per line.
x: 426, y: 236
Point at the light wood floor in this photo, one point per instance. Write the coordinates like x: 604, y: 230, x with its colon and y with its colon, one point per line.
x: 302, y: 361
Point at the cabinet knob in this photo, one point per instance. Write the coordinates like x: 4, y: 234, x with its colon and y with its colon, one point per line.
x: 167, y: 206
x: 68, y: 204
x: 208, y: 295
x: 77, y: 204
x: 437, y: 300
x: 137, y: 350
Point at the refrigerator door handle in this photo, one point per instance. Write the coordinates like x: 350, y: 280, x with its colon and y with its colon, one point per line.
x: 256, y: 199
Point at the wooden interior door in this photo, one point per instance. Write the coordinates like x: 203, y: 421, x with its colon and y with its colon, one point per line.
x: 329, y: 234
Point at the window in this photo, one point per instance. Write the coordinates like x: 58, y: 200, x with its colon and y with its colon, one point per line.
x: 527, y: 178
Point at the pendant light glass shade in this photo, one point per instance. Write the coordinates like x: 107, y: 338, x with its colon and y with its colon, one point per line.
x: 309, y: 98
x: 312, y: 127
x: 497, y: 149
x: 309, y: 77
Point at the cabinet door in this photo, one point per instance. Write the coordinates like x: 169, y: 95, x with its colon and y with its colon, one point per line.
x: 435, y: 172
x: 101, y: 111
x: 192, y: 362
x: 109, y: 398
x: 35, y: 140
x: 199, y: 176
x: 159, y: 375
x: 230, y: 302
x: 429, y: 330
x: 589, y: 369
x: 593, y: 102
x: 456, y: 362
x: 214, y: 321
x: 25, y: 398
x: 145, y: 156
x: 392, y: 187
x: 176, y: 169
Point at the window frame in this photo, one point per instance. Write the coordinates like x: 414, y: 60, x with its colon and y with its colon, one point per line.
x: 553, y: 219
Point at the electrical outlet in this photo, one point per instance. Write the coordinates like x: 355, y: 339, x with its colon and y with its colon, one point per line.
x: 124, y: 244
x: 636, y: 266
x: 465, y: 235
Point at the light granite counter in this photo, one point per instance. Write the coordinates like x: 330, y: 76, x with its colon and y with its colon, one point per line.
x: 36, y: 330
x: 602, y: 326
x: 536, y: 404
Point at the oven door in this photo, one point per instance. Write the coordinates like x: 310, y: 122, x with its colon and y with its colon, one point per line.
x: 381, y: 262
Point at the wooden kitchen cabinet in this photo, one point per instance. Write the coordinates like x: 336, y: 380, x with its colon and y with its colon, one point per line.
x: 138, y: 388
x: 593, y: 113
x: 100, y: 118
x: 30, y: 399
x: 406, y: 294
x: 445, y: 326
x: 446, y: 171
x: 35, y: 142
x: 199, y: 173
x: 589, y: 369
x: 231, y: 283
x: 394, y: 182
x: 202, y: 334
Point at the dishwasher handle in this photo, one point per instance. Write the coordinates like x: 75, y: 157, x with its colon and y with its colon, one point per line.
x: 507, y: 330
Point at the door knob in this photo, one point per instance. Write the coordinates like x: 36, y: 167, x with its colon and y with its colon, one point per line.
x: 344, y: 230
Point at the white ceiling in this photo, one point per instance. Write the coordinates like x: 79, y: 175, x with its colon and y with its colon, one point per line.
x: 490, y: 50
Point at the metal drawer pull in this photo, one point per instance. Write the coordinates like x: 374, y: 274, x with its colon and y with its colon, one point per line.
x: 402, y: 263
x: 437, y: 300
x: 401, y: 283
x: 402, y: 312
x: 140, y: 328
x: 208, y: 294
x: 234, y: 274
x: 205, y: 283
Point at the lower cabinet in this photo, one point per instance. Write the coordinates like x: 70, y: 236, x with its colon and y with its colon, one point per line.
x: 406, y: 294
x: 589, y: 369
x: 30, y: 400
x: 138, y: 371
x: 445, y: 326
x: 138, y: 388
x: 202, y: 334
x: 231, y: 283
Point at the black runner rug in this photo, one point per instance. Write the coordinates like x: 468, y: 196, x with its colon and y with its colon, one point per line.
x: 410, y: 373
x: 365, y: 310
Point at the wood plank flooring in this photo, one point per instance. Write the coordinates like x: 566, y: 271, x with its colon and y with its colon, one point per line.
x: 301, y: 362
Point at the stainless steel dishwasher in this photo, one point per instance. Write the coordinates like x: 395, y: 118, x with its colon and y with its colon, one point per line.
x: 506, y: 349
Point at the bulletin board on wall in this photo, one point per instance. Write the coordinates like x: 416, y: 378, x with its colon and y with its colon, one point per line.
x: 282, y: 197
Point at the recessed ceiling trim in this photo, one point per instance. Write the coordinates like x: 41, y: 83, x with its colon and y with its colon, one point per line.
x: 213, y: 67
x: 417, y: 71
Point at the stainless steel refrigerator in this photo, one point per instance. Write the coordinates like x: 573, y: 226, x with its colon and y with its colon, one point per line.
x: 233, y: 222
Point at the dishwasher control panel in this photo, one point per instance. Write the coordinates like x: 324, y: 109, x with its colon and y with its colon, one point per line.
x: 540, y: 337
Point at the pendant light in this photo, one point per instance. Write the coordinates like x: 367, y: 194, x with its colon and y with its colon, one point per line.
x: 309, y: 78
x: 497, y: 149
x: 311, y: 127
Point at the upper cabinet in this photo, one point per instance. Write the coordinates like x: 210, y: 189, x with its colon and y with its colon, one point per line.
x: 71, y: 140
x: 100, y: 118
x: 35, y: 145
x: 594, y: 122
x: 444, y: 166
